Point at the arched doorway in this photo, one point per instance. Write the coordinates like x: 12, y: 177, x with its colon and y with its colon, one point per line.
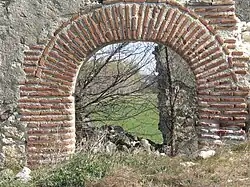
x: 47, y: 104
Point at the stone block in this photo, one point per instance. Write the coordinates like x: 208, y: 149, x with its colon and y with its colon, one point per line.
x: 246, y: 36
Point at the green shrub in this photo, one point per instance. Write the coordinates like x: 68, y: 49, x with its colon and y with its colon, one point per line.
x: 75, y: 173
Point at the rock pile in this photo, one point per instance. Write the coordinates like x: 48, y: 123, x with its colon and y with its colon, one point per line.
x: 114, y: 138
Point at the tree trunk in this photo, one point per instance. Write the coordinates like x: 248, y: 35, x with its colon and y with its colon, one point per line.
x: 165, y: 96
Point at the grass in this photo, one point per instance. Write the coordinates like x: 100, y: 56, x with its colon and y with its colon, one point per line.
x: 136, y: 114
x: 228, y: 168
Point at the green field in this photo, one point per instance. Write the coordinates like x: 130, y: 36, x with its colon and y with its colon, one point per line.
x: 136, y: 114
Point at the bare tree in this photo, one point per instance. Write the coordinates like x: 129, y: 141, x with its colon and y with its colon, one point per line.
x: 108, y: 79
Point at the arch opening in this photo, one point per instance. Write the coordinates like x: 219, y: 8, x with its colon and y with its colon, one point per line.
x: 123, y: 87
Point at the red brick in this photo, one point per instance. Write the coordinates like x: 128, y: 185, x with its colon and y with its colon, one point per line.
x: 42, y: 143
x: 242, y: 118
x: 240, y: 64
x: 210, y: 99
x: 30, y: 70
x: 60, y: 70
x: 230, y: 41
x: 222, y: 93
x: 219, y: 76
x: 243, y: 88
x: 160, y: 31
x: 64, y: 55
x: 211, y: 30
x: 55, y: 79
x: 91, y: 29
x: 242, y: 105
x: 220, y: 105
x: 219, y: 39
x: 115, y: 11
x: 201, y: 48
x: 241, y: 93
x: 25, y: 88
x: 47, y: 118
x: 237, y: 53
x: 83, y: 35
x: 222, y: 118
x: 42, y: 93
x: 37, y: 47
x: 62, y: 64
x: 240, y: 58
x: 242, y: 112
x: 208, y: 111
x: 78, y: 42
x: 73, y: 48
x: 231, y: 46
x: 232, y: 99
x: 241, y: 72
x: 179, y: 32
x: 49, y: 150
x: 225, y: 88
x: 32, y: 53
x: 233, y: 124
x: 35, y: 59
x: 57, y: 125
x: 62, y: 46
x: 159, y: 18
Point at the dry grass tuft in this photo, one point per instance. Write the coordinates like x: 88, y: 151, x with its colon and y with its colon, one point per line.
x: 123, y: 177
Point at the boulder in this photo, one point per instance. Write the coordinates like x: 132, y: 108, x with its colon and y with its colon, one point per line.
x: 110, y: 147
x: 24, y: 174
x: 146, y: 145
x: 206, y: 154
x: 111, y: 138
x: 246, y: 36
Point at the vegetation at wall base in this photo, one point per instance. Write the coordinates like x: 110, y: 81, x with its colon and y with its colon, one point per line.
x: 230, y: 167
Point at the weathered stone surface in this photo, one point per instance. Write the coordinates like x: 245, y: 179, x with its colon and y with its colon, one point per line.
x: 146, y: 145
x: 206, y: 154
x: 2, y: 160
x: 242, y: 9
x: 24, y: 174
x: 110, y: 147
x: 246, y: 36
x: 248, y: 26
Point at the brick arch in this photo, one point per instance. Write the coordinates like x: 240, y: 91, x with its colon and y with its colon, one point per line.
x: 47, y: 105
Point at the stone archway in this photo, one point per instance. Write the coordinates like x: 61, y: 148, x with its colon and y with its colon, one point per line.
x: 47, y: 105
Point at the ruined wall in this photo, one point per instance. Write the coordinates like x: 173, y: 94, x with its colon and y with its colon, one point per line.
x: 23, y: 23
x: 28, y: 22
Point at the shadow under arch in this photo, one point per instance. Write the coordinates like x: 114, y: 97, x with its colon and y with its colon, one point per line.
x: 47, y: 105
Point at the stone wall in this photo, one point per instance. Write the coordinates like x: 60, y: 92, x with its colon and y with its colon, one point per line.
x: 27, y: 22
x: 242, y: 9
